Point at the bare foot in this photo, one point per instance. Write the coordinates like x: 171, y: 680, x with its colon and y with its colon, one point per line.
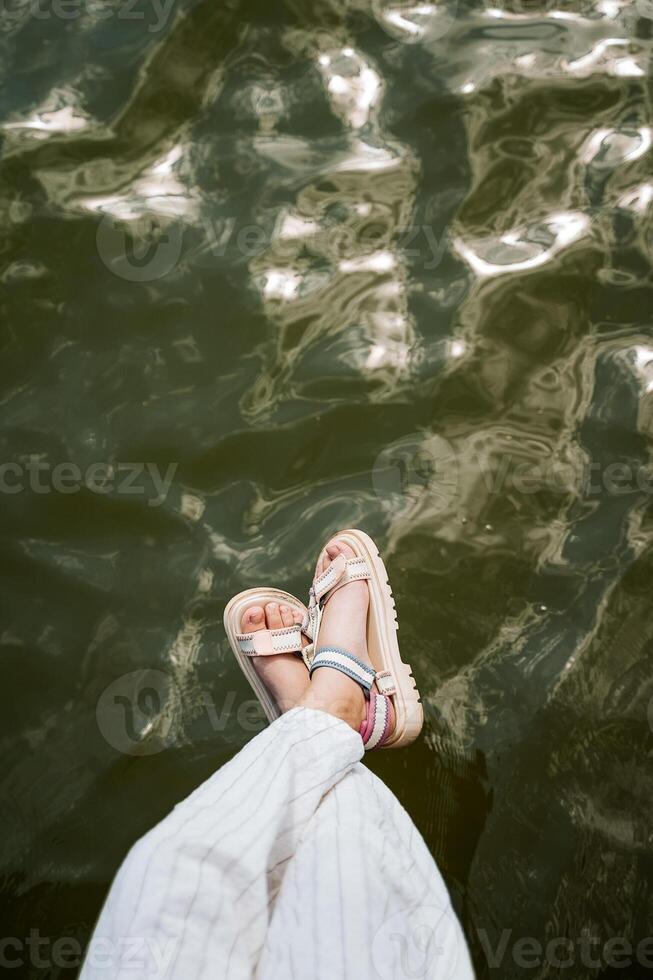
x: 284, y: 674
x: 344, y: 625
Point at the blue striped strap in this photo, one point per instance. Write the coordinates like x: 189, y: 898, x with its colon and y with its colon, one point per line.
x: 347, y: 663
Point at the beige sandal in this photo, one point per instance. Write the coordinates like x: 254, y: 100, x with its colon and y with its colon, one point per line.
x: 396, y: 693
x: 265, y: 642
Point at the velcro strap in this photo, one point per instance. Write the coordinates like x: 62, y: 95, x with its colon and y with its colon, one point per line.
x: 379, y: 722
x: 307, y: 655
x: 307, y: 624
x: 265, y: 643
x: 356, y: 568
x: 308, y: 629
x: 328, y: 578
x: 345, y: 662
x: 341, y: 571
x: 311, y: 622
x: 385, y: 682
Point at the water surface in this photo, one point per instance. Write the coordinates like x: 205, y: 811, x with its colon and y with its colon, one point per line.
x: 371, y: 264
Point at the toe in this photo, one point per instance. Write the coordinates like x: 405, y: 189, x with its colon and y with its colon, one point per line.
x: 287, y: 617
x: 254, y: 619
x: 335, y: 548
x: 273, y: 616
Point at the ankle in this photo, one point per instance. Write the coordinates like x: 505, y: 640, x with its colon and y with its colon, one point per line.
x: 336, y: 696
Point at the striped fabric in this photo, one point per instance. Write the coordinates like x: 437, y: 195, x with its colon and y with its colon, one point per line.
x: 385, y: 682
x: 341, y: 571
x: 341, y: 568
x: 328, y: 579
x: 287, y: 639
x: 376, y: 726
x: 345, y: 662
x: 293, y: 861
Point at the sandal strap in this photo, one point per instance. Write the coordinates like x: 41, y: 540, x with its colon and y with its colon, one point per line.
x: 345, y: 662
x: 309, y: 629
x: 265, y: 643
x: 385, y: 682
x: 340, y: 572
x: 379, y: 721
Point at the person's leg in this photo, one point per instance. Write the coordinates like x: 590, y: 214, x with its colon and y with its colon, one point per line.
x: 194, y: 897
x: 197, y: 897
x: 362, y: 897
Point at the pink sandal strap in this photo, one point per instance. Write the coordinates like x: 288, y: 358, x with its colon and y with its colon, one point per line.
x: 340, y: 572
x: 266, y: 643
x: 379, y: 722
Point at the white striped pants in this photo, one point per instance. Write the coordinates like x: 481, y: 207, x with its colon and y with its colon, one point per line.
x: 292, y: 861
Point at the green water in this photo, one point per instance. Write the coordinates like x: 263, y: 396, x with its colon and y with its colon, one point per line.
x: 274, y: 269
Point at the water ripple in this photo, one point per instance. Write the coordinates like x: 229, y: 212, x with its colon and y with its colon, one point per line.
x: 382, y: 264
